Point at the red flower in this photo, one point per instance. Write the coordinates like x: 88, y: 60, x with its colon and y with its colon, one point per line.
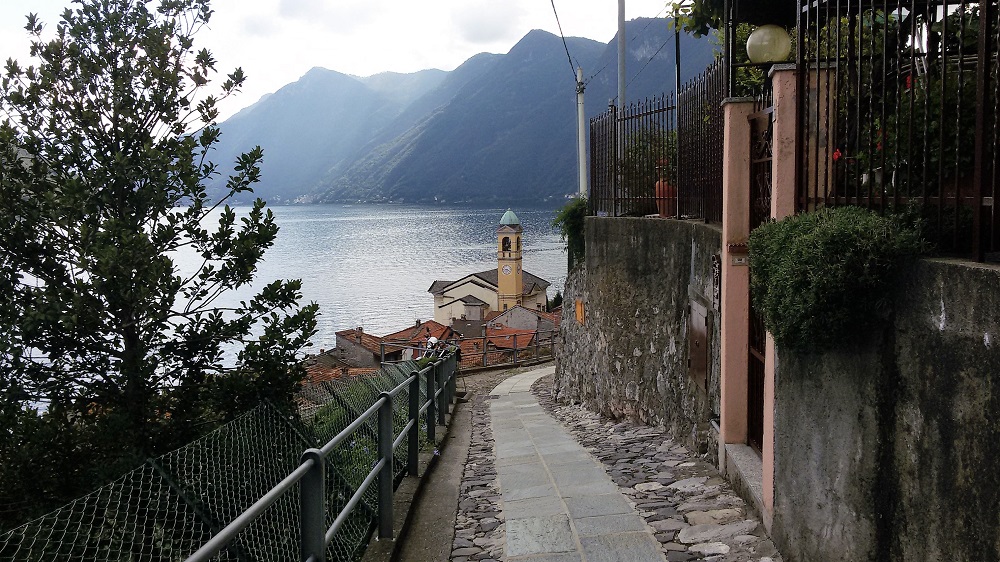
x: 836, y: 155
x: 909, y: 81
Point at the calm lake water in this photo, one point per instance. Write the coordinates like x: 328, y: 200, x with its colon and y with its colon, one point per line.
x: 371, y: 265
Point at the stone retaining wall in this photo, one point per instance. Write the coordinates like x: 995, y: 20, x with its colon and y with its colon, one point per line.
x: 629, y: 357
x: 888, y: 451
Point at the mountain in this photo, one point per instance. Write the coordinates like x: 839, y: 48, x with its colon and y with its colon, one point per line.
x: 498, y: 128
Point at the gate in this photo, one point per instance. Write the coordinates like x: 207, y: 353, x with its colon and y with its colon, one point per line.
x: 761, y: 129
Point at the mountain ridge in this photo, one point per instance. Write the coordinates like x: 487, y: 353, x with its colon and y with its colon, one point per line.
x: 499, y: 128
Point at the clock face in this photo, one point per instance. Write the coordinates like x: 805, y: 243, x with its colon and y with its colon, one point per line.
x: 506, y: 270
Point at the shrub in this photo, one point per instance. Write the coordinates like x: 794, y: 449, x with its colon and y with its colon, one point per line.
x: 825, y: 277
x: 570, y: 222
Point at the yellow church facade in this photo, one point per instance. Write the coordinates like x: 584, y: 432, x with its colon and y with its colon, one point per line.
x: 474, y: 296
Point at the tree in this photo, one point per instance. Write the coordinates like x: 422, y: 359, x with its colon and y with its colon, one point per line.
x: 556, y: 301
x: 699, y: 16
x: 570, y: 222
x: 104, y: 155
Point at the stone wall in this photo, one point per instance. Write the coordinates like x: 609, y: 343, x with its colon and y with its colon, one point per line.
x: 888, y: 451
x: 629, y: 359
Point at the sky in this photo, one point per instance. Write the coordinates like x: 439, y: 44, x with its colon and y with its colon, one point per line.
x: 277, y: 41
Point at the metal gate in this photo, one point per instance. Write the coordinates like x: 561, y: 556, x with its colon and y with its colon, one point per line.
x: 761, y: 128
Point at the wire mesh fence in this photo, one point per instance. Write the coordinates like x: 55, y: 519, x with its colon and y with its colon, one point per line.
x: 170, y: 506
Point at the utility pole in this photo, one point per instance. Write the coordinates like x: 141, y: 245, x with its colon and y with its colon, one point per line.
x: 620, y: 113
x: 581, y: 133
x: 622, y: 40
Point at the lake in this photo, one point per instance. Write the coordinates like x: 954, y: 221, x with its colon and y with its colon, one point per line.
x: 371, y: 265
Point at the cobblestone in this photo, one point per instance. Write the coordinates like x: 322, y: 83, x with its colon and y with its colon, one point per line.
x: 479, y: 527
x: 693, y: 512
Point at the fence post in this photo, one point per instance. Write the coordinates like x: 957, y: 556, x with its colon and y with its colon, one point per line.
x: 431, y: 418
x: 312, y: 504
x: 385, y: 439
x: 450, y: 381
x: 413, y: 439
x: 442, y: 406
x: 515, y: 350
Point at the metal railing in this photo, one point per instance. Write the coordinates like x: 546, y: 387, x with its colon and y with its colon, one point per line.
x: 699, y: 144
x: 311, y: 478
x: 630, y: 154
x: 898, y: 110
x: 662, y: 157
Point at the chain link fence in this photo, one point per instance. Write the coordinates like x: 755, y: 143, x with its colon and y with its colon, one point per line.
x: 167, y: 508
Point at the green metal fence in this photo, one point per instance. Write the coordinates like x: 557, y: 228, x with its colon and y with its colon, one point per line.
x: 171, y: 506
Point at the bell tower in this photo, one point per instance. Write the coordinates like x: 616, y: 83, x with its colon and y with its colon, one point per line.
x: 509, y: 278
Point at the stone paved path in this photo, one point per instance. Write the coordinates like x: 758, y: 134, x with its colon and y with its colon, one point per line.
x: 674, y: 498
x: 558, y: 502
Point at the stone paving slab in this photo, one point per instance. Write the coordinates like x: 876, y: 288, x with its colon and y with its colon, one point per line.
x: 693, y: 511
x: 558, y: 503
x: 679, y: 497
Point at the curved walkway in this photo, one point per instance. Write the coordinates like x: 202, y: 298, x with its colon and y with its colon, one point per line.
x: 559, y: 504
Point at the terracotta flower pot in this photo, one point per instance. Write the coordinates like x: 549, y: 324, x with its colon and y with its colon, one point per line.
x: 666, y: 199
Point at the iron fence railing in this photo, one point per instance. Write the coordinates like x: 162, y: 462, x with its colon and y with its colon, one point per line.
x: 660, y: 157
x: 633, y: 160
x: 246, y: 491
x: 699, y: 144
x: 898, y: 110
x: 508, y: 350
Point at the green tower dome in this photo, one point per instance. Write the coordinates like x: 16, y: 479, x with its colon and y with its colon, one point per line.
x: 509, y: 218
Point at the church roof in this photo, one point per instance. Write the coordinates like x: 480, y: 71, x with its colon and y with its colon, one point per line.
x: 530, y: 282
x: 509, y: 218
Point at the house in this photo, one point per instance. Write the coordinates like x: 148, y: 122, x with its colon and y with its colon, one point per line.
x: 409, y: 342
x: 521, y: 318
x: 359, y: 349
x: 474, y: 296
x: 326, y: 366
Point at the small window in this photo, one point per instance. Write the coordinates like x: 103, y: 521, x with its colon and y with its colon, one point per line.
x: 505, y: 307
x: 518, y: 243
x: 505, y: 244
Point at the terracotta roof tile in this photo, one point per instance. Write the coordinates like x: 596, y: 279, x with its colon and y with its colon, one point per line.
x: 419, y: 333
x: 368, y: 341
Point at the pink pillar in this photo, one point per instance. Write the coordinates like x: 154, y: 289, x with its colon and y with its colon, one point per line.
x: 783, y: 192
x: 735, y: 271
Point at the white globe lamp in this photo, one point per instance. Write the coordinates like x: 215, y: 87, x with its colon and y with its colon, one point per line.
x: 769, y: 43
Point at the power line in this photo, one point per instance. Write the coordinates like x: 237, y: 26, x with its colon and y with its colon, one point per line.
x: 653, y: 56
x: 572, y: 68
x: 634, y: 37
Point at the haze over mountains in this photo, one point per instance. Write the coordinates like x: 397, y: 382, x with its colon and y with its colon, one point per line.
x: 497, y: 129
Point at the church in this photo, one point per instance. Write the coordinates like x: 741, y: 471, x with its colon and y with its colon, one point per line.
x: 475, y: 296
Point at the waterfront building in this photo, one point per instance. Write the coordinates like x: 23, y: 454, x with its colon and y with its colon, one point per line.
x: 471, y: 298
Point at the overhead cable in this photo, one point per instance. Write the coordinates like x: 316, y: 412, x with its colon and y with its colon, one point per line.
x: 572, y: 68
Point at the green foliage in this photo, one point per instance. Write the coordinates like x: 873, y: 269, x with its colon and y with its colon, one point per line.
x: 699, y: 16
x: 822, y: 278
x: 570, y: 222
x: 555, y: 302
x: 104, y: 154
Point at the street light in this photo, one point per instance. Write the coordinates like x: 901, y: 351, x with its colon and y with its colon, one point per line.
x: 769, y: 43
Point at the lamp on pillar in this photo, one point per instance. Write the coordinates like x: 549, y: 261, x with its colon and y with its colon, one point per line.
x: 769, y: 43
x: 771, y: 17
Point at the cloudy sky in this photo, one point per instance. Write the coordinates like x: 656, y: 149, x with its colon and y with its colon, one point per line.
x: 277, y: 41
